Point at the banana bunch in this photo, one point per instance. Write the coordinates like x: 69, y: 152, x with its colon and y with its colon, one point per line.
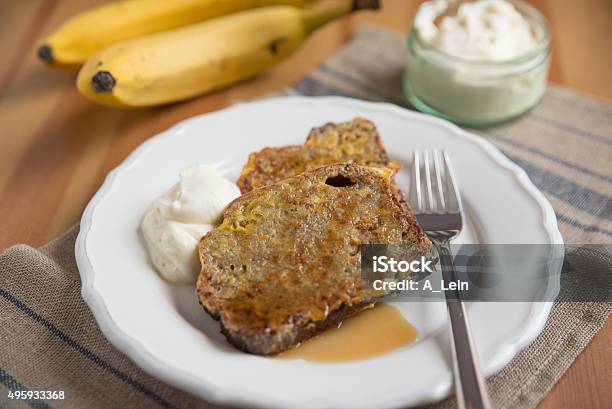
x: 152, y: 52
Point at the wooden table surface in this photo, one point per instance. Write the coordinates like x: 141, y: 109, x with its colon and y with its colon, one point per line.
x: 56, y: 147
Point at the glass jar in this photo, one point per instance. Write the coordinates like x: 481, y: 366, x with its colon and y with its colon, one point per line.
x: 476, y: 93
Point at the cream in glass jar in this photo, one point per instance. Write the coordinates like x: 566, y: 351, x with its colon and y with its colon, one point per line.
x: 482, y: 64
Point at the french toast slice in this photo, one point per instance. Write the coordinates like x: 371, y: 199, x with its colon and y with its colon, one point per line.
x: 284, y: 264
x: 356, y: 141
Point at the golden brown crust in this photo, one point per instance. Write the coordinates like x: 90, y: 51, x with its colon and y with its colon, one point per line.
x: 284, y: 264
x: 356, y: 141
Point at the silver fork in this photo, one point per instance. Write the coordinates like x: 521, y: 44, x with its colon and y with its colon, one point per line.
x: 436, y: 203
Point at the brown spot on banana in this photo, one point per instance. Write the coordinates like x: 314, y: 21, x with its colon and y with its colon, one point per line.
x: 274, y: 45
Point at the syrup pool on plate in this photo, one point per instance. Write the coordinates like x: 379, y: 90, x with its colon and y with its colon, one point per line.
x: 369, y: 334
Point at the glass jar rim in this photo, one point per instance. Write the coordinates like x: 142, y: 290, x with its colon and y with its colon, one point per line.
x: 533, y: 15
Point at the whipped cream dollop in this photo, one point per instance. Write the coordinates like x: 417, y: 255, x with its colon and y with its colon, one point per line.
x: 483, y: 30
x: 176, y: 221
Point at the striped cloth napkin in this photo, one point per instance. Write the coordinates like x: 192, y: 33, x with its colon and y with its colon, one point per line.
x: 50, y: 341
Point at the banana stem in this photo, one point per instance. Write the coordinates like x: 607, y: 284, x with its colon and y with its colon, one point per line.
x: 316, y: 16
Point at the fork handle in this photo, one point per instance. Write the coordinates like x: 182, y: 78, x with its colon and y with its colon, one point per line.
x: 470, y: 388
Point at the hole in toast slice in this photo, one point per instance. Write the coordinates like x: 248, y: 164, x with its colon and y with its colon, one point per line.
x: 339, y: 181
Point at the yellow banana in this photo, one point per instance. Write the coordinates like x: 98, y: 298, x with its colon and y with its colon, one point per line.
x: 189, y: 61
x: 83, y: 35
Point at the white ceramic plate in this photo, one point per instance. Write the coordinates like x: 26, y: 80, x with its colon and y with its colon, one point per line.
x: 163, y: 329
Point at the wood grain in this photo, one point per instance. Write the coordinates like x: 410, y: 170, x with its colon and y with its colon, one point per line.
x: 56, y: 147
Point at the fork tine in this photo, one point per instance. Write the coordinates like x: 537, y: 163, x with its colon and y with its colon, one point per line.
x: 439, y: 177
x: 453, y: 198
x: 416, y: 195
x: 429, y: 205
